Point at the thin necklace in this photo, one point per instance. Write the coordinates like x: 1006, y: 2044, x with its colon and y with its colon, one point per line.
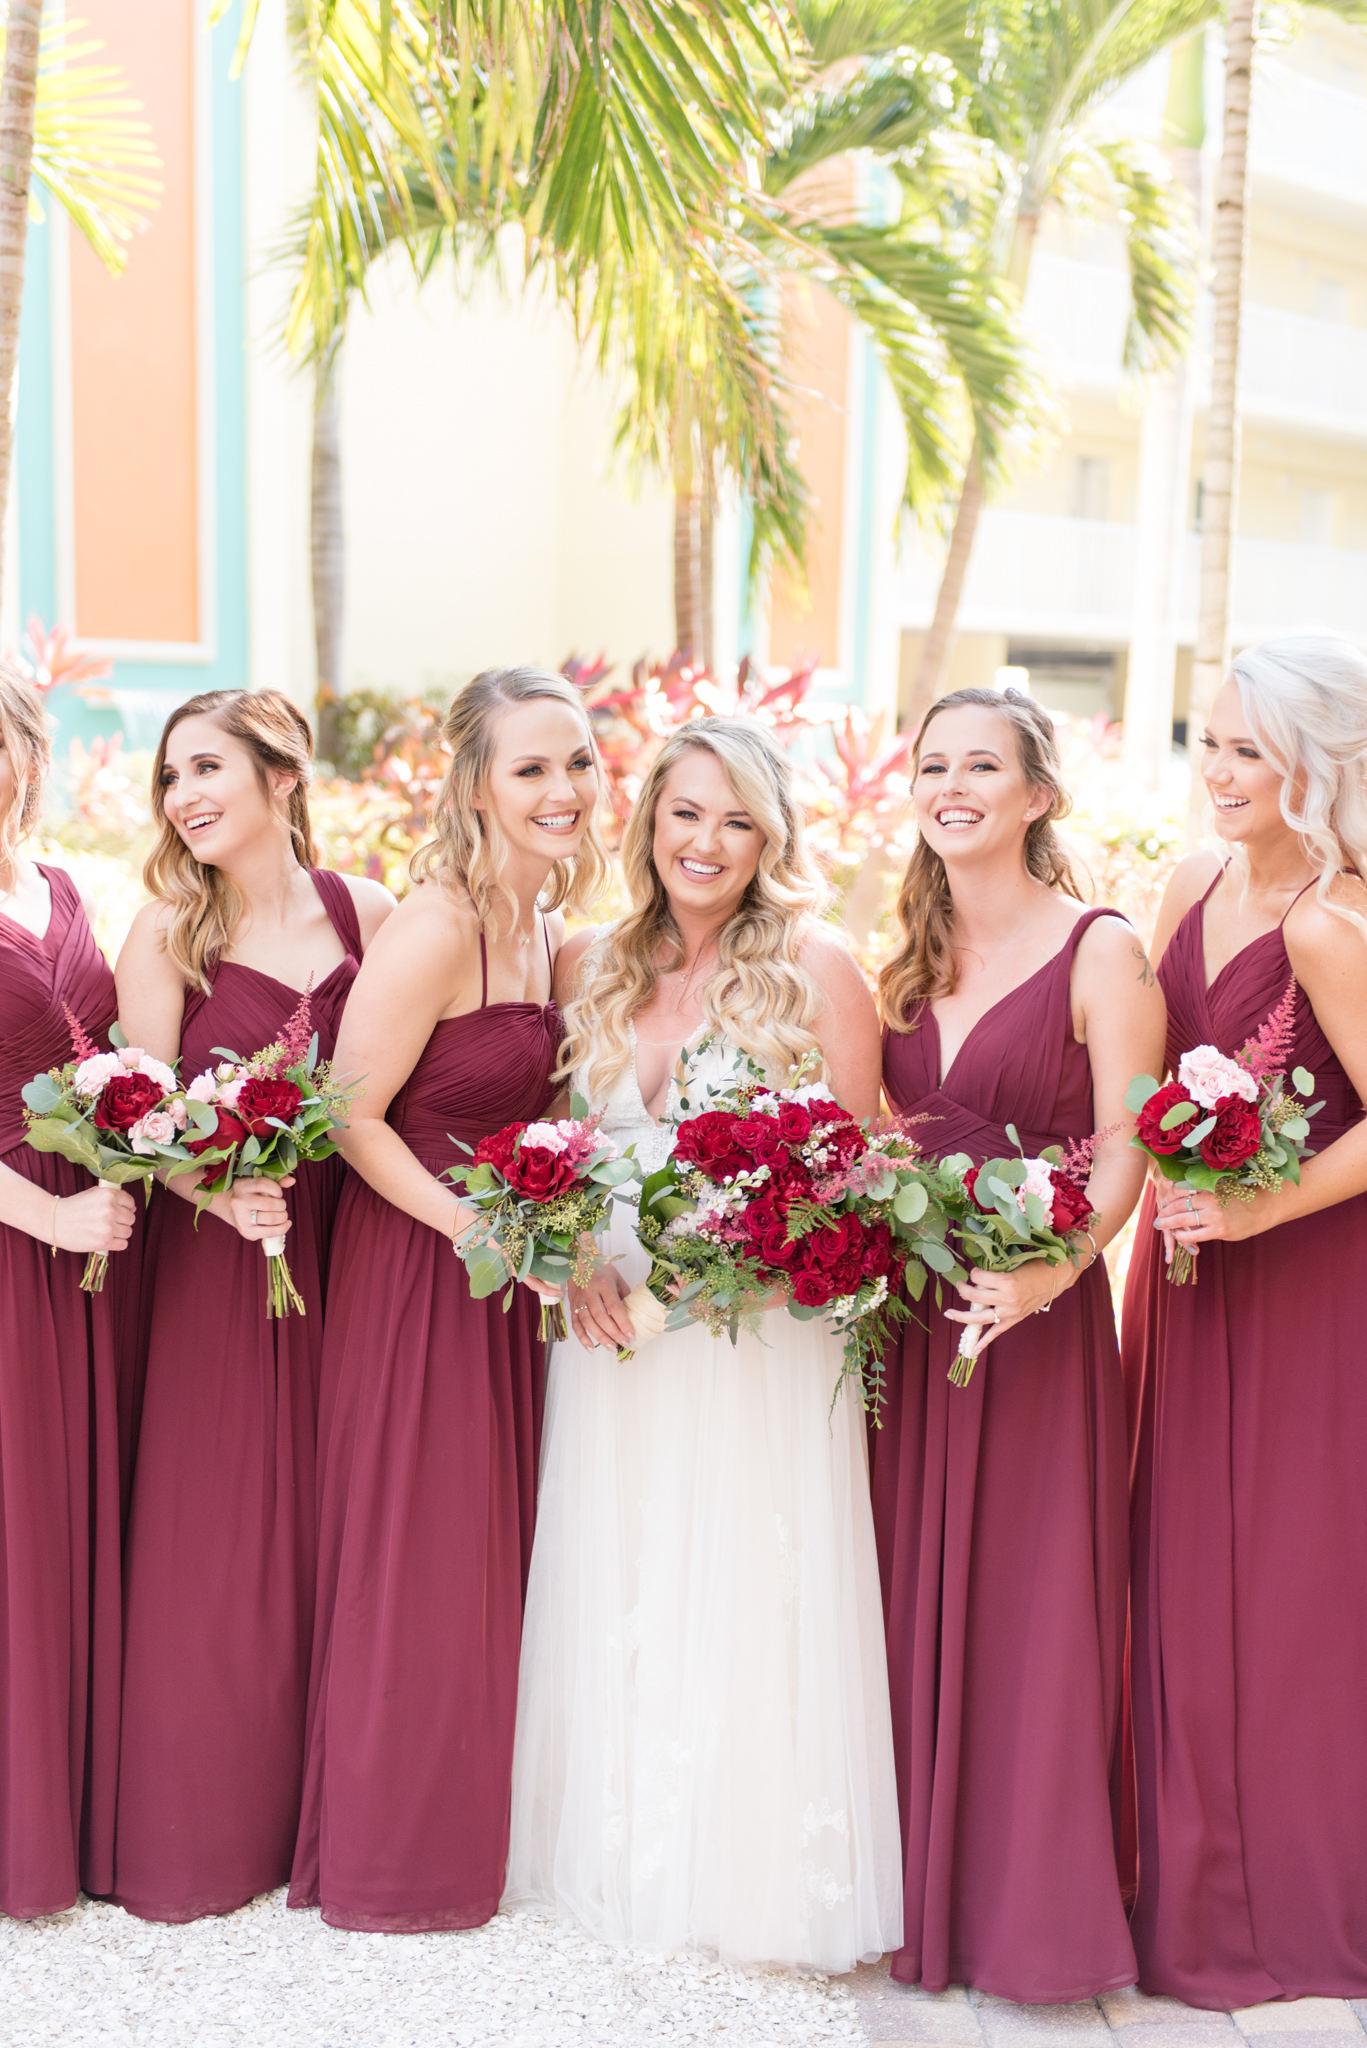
x: 675, y: 972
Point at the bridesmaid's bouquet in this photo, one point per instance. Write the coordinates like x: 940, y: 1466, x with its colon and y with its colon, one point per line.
x: 781, y: 1191
x: 1013, y: 1211
x: 260, y: 1118
x: 116, y: 1113
x: 541, y: 1190
x: 1228, y: 1125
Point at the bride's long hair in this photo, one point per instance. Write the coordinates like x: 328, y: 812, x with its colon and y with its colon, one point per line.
x: 1305, y: 697
x: 760, y: 995
x: 24, y: 737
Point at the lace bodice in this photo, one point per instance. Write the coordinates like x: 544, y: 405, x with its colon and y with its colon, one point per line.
x: 704, y: 1064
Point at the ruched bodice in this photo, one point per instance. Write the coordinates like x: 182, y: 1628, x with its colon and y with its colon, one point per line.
x: 1240, y: 999
x: 476, y: 1073
x: 37, y: 977
x: 1020, y: 1064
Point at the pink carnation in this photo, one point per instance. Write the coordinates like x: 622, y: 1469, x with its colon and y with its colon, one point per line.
x: 92, y: 1074
x: 156, y: 1128
x: 202, y: 1089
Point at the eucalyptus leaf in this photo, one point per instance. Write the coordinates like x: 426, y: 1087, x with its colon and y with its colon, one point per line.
x: 41, y: 1094
x: 579, y: 1107
x: 486, y: 1278
x: 911, y: 1202
x: 1303, y: 1083
x: 1296, y: 1126
x: 1180, y: 1113
x: 1203, y: 1130
x: 223, y: 1053
x: 1014, y: 1135
x: 935, y: 1256
x: 203, y: 1116
x: 1139, y: 1091
x: 116, y: 1037
x: 915, y: 1277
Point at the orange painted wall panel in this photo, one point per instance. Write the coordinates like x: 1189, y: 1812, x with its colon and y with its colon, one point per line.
x: 133, y: 361
x: 819, y: 351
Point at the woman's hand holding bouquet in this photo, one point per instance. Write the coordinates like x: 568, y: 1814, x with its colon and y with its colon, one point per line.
x: 258, y: 1119
x: 116, y: 1113
x: 1013, y: 1214
x: 1225, y: 1127
x: 539, y: 1191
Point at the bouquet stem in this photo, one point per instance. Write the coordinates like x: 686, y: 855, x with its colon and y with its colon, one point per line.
x: 966, y: 1357
x: 553, y: 1325
x: 282, y: 1296
x: 1183, y: 1266
x: 96, y: 1266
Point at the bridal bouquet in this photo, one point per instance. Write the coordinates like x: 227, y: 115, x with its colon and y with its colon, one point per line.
x: 780, y: 1191
x: 116, y: 1113
x: 259, y: 1119
x: 1014, y: 1211
x: 541, y: 1190
x: 1227, y: 1125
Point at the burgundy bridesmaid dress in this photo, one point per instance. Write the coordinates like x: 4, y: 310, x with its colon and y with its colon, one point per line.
x: 1248, y: 1397
x: 428, y: 1446
x: 59, y: 1526
x: 221, y: 1549
x: 1000, y: 1510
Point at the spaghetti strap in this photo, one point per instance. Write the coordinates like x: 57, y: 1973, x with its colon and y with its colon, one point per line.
x: 1313, y: 883
x: 483, y: 972
x: 550, y: 964
x: 340, y: 906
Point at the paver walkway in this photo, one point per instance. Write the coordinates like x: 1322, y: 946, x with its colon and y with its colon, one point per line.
x: 268, y: 1978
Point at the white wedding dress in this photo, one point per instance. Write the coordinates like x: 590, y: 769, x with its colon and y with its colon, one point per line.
x: 704, y: 1744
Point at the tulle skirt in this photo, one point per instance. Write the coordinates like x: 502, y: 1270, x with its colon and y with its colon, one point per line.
x: 704, y: 1745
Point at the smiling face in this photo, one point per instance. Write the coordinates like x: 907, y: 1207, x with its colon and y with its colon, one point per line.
x: 214, y: 796
x: 542, y: 784
x: 706, y: 846
x: 1245, y: 786
x: 971, y: 796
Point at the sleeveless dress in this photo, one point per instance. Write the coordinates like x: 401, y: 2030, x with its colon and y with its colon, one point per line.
x: 704, y: 1753
x: 428, y: 1441
x: 1001, y: 1517
x: 59, y: 1526
x: 220, y: 1557
x: 1249, y: 1624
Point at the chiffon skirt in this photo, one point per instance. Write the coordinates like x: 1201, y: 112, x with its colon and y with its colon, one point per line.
x: 704, y: 1745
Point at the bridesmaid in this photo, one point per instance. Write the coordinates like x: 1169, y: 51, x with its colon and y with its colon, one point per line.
x: 219, y: 1565
x: 428, y: 1437
x: 1001, y: 1508
x: 1249, y: 1653
x: 58, y: 1432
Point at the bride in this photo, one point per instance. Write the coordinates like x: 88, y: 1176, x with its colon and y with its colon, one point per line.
x: 704, y: 1745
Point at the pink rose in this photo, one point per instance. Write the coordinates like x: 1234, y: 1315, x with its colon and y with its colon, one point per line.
x: 1210, y: 1079
x: 202, y: 1088
x: 156, y: 1128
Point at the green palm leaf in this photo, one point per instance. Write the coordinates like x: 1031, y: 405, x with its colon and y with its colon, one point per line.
x: 90, y: 149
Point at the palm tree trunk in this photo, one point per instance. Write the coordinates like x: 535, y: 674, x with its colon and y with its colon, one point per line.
x: 328, y: 555
x: 687, y: 626
x: 18, y: 96
x: 934, y: 666
x: 706, y: 621
x: 930, y: 676
x: 1220, y: 481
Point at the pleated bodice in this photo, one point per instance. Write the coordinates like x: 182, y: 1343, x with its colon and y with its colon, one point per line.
x: 37, y: 977
x: 477, y: 1073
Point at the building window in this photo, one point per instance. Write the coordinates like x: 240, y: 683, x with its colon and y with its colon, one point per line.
x: 1091, y: 486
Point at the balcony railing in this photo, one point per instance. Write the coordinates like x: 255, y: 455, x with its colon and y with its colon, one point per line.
x: 1036, y: 576
x: 1293, y: 370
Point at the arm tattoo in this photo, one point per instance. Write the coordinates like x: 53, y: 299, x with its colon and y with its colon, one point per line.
x: 1146, y: 974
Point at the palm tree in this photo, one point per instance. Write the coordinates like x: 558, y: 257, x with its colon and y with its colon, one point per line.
x: 69, y: 123
x: 1041, y: 77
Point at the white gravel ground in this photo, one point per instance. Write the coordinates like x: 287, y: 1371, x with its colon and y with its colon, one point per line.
x: 275, y: 1979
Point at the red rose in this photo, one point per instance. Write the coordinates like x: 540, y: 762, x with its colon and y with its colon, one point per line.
x: 762, y: 1217
x: 878, y: 1254
x: 1152, y: 1114
x: 1071, y: 1210
x: 541, y: 1173
x: 1237, y: 1135
x: 794, y: 1122
x: 812, y: 1289
x: 124, y: 1099
x: 826, y: 1245
x: 709, y: 1143
x: 500, y: 1149
x: 230, y: 1131
x: 848, y: 1273
x: 264, y: 1096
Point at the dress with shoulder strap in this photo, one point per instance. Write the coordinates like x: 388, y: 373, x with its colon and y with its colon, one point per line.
x: 1001, y: 1517
x: 59, y: 1529
x: 427, y: 1458
x: 221, y: 1547
x: 1248, y: 1396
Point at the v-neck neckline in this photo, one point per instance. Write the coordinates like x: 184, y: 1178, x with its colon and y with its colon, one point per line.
x: 688, y: 1045
x: 978, y: 1022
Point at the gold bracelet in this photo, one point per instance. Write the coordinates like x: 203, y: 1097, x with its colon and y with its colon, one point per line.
x: 56, y: 1204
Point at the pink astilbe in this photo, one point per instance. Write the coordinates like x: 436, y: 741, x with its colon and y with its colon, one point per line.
x: 1079, y: 1157
x: 1269, y: 1051
x: 295, y: 1039
x: 81, y: 1043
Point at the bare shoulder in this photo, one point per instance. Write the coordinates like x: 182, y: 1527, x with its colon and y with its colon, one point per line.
x: 825, y: 953
x: 373, y: 904
x: 430, y: 922
x: 88, y: 905
x: 1324, y: 948
x: 569, y: 955
x: 1111, y: 945
x: 145, y: 943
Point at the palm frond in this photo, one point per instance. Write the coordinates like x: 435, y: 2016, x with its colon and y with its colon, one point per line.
x: 90, y: 149
x: 893, y: 106
x: 1155, y: 215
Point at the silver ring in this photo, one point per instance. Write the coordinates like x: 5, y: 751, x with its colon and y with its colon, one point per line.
x: 1191, y: 1205
x: 996, y: 1315
x: 253, y: 1213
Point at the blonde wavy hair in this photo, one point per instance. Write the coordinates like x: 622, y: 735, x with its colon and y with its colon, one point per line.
x: 1305, y: 697
x: 206, y: 907
x: 24, y: 736
x: 760, y: 995
x: 469, y: 849
x: 925, y: 964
